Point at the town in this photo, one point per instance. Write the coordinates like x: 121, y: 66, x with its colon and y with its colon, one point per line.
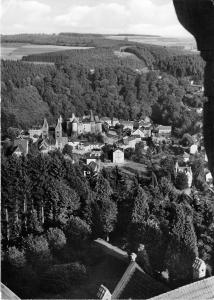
x: 107, y: 153
x: 105, y: 142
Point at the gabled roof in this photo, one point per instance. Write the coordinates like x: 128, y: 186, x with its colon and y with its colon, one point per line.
x: 198, y: 263
x: 143, y: 127
x: 22, y: 145
x: 124, y: 122
x: 96, y: 118
x: 93, y: 166
x: 163, y: 127
x: 186, y: 155
x: 144, y: 124
x: 105, y: 119
x: 136, y: 284
x: 18, y: 149
x: 199, y: 290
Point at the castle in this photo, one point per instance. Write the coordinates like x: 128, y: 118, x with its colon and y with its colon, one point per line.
x: 88, y: 124
x: 77, y: 126
x: 37, y: 131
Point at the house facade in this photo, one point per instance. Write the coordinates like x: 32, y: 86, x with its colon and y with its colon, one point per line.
x: 118, y: 156
x: 86, y: 125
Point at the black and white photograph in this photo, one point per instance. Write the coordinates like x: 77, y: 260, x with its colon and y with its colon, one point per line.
x: 107, y: 149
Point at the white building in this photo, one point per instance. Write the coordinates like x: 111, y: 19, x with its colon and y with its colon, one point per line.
x: 139, y: 132
x: 186, y: 157
x: 106, y: 120
x: 127, y: 124
x: 199, y: 269
x: 118, y: 156
x: 209, y: 178
x: 114, y: 121
x: 193, y: 149
x: 164, y: 130
x: 186, y: 170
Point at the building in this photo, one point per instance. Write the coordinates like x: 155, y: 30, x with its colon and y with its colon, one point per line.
x: 139, y: 132
x: 164, y: 131
x: 37, y: 131
x: 114, y: 121
x: 21, y: 147
x: 147, y: 130
x: 193, y: 149
x: 110, y: 139
x: 127, y: 124
x: 186, y: 157
x: 73, y: 143
x: 146, y: 122
x: 61, y: 140
x: 199, y: 269
x: 209, y: 178
x: 46, y: 146
x: 118, y: 156
x: 87, y: 125
x: 131, y: 141
x: 106, y: 120
x: 187, y: 170
x: 133, y: 283
x: 199, y: 290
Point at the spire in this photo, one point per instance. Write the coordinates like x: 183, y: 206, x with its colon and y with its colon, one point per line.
x: 45, y: 124
x: 59, y: 124
x: 91, y: 116
x: 45, y: 129
x: 58, y: 129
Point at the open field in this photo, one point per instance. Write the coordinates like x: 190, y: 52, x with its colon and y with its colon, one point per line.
x: 129, y: 167
x: 185, y: 43
x: 15, y: 51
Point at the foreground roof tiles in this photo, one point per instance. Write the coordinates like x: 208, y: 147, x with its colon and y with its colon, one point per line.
x: 199, y: 290
x: 6, y: 293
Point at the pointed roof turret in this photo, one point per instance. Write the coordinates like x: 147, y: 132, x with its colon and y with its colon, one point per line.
x: 91, y: 116
x: 45, y: 124
x: 59, y: 125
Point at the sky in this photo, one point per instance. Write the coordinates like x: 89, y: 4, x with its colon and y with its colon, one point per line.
x: 156, y: 17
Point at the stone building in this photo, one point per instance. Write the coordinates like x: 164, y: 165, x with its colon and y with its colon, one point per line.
x: 37, y: 131
x: 84, y: 126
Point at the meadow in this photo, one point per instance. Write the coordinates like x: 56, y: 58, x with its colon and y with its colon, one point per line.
x: 15, y: 51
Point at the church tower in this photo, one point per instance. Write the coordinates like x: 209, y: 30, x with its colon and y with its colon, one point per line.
x: 92, y: 122
x: 58, y: 129
x: 45, y: 129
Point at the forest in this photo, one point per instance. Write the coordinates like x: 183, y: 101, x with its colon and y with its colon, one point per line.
x: 169, y: 60
x: 51, y: 213
x: 32, y: 91
x: 64, y: 39
x: 89, y: 58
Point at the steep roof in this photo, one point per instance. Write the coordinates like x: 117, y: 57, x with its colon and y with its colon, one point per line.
x: 136, y: 284
x: 6, y: 293
x: 21, y: 145
x: 163, y: 127
x: 199, y: 290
